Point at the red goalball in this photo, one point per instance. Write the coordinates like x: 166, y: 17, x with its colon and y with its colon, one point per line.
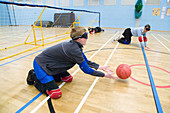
x: 123, y: 71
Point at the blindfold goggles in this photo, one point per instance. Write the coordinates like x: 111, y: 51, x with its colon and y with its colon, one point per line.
x: 85, y: 35
x: 147, y: 29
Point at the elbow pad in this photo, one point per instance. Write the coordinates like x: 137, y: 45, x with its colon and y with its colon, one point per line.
x: 85, y: 68
x: 140, y: 39
x: 145, y: 39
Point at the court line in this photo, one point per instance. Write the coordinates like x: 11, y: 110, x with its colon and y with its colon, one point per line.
x: 29, y: 55
x: 155, y: 94
x: 37, y: 107
x: 160, y: 42
x: 92, y: 86
x: 168, y: 86
x: 23, y: 56
x: 20, y: 58
x: 164, y: 38
x: 27, y: 104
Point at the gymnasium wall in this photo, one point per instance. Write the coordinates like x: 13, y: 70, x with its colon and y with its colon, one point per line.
x: 114, y: 16
x: 122, y: 16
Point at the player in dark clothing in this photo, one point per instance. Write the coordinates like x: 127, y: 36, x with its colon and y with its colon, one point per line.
x: 52, y: 64
x: 95, y: 30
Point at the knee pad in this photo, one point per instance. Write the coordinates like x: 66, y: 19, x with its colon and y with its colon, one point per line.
x: 145, y: 39
x: 140, y: 39
x: 54, y: 94
x: 67, y: 78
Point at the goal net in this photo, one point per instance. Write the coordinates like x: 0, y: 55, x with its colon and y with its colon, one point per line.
x: 24, y: 27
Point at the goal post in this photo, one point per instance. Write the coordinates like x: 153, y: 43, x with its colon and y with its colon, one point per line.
x: 37, y: 25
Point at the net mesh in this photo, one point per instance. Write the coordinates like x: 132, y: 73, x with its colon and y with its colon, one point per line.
x: 26, y: 28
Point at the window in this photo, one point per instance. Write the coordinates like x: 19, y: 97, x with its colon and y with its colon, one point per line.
x: 64, y: 3
x: 78, y: 2
x: 109, y: 2
x: 152, y: 2
x: 19, y: 1
x: 28, y: 1
x: 128, y: 2
x: 50, y: 2
x: 93, y: 2
x: 39, y: 2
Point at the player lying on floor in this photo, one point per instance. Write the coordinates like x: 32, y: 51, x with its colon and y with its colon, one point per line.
x: 95, y: 30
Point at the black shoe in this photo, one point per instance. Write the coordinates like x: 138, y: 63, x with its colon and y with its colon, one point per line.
x: 31, y: 77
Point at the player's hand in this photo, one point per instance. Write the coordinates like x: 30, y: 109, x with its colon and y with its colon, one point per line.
x: 110, y: 74
x: 147, y: 48
x: 105, y: 68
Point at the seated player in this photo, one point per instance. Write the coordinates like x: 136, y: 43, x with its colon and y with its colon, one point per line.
x: 138, y: 32
x: 52, y: 64
x: 95, y: 30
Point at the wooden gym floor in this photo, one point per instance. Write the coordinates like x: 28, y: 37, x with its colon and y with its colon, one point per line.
x: 88, y: 94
